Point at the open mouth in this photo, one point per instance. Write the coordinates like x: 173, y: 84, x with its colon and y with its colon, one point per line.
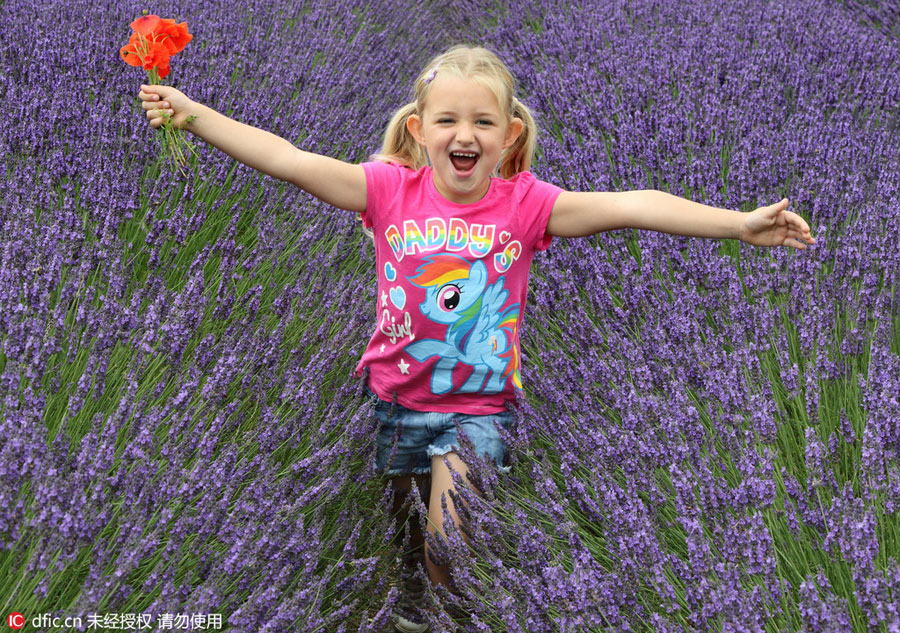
x: 463, y: 161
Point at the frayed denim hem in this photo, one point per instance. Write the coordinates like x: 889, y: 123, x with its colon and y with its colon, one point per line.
x: 431, y: 451
x: 400, y: 472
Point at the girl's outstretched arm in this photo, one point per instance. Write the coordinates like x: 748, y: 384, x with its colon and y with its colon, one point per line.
x: 586, y: 213
x: 333, y: 181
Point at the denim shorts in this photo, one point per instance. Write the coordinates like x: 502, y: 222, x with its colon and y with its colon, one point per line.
x: 423, y: 434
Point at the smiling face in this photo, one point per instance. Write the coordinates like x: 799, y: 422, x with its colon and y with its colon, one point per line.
x: 464, y: 131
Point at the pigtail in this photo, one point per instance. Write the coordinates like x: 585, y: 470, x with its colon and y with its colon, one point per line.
x: 517, y: 157
x: 399, y: 144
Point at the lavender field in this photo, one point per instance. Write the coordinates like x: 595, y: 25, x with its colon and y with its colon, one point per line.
x: 711, y: 435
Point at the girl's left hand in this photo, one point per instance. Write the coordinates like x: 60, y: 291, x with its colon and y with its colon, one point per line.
x: 774, y: 226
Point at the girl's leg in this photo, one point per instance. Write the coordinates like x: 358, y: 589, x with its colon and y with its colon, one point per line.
x: 441, y: 484
x: 402, y: 487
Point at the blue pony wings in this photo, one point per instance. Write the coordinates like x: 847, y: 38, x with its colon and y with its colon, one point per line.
x: 491, y: 317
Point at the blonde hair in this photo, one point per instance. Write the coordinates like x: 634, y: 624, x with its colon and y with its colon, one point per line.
x: 464, y: 62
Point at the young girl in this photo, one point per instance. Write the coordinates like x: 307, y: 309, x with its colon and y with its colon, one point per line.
x: 456, y: 218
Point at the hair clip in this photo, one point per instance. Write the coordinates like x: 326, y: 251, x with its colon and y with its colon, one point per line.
x: 430, y: 76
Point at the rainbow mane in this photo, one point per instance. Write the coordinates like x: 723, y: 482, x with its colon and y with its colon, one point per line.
x: 440, y: 269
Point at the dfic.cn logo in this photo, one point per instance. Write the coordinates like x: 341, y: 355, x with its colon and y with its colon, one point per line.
x: 15, y: 620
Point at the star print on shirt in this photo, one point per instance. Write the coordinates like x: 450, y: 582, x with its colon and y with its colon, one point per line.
x: 384, y: 299
x: 404, y: 366
x: 381, y: 351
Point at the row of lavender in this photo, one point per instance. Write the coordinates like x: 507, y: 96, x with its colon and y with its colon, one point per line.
x: 711, y: 439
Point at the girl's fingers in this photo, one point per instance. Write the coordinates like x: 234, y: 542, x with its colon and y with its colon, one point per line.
x: 155, y: 105
x: 156, y: 115
x: 800, y: 222
x: 148, y: 93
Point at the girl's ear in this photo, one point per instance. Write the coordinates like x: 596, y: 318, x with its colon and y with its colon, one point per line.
x: 513, y: 130
x: 414, y: 125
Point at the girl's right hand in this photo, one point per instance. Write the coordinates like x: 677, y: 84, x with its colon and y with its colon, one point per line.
x: 159, y: 101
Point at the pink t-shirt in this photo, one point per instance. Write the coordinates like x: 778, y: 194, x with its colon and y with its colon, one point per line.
x: 452, y: 284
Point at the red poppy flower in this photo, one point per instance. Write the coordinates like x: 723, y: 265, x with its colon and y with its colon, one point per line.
x: 146, y: 53
x: 153, y: 42
x: 174, y: 36
x: 177, y: 35
x: 157, y: 57
x: 146, y: 25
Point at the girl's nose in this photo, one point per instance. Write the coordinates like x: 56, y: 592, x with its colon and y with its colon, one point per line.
x: 464, y: 133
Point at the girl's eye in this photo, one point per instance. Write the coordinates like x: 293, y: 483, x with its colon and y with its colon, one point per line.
x: 485, y: 122
x: 448, y: 298
x: 445, y: 120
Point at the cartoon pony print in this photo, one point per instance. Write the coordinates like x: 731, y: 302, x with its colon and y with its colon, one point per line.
x: 479, y: 334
